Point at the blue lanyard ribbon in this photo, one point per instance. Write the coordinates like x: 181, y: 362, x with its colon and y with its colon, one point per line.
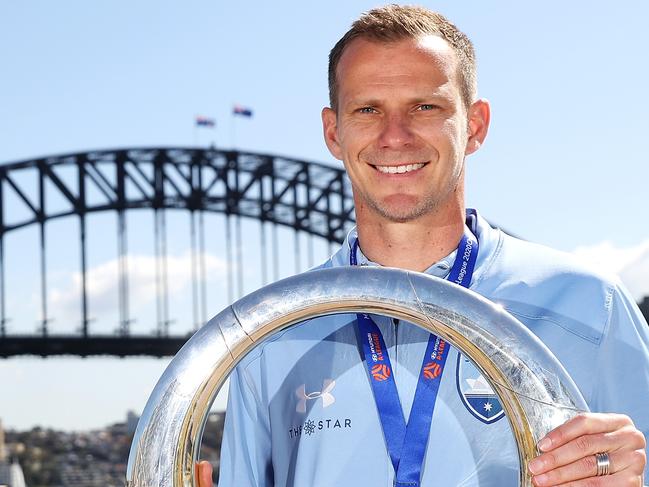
x: 406, y: 443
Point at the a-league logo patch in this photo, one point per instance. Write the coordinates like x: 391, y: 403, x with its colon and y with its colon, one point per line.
x: 381, y: 372
x: 476, y: 393
x: 432, y: 370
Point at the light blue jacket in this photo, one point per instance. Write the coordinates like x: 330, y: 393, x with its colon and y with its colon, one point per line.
x: 301, y: 411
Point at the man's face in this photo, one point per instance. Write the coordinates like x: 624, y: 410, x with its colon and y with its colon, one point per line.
x: 401, y: 127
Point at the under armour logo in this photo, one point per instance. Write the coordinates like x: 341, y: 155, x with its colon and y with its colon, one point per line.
x: 327, y: 398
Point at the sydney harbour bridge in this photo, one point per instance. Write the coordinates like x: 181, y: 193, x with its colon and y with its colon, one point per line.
x: 307, y: 199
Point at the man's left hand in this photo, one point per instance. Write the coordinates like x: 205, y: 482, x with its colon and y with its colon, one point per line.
x: 568, y: 453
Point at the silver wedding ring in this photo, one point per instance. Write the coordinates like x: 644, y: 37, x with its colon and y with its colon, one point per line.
x: 603, y: 463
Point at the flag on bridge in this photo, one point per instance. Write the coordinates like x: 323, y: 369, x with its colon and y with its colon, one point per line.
x: 243, y: 111
x: 202, y: 121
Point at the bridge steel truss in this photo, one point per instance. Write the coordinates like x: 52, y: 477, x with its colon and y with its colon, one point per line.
x: 305, y: 196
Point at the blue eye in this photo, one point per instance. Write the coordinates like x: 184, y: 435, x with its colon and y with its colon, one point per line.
x: 426, y: 106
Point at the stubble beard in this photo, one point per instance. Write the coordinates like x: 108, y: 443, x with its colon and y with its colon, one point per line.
x: 402, y: 213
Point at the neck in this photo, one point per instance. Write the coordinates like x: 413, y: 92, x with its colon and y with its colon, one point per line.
x: 413, y: 245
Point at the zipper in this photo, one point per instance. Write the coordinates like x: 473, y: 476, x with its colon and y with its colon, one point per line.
x: 395, y: 322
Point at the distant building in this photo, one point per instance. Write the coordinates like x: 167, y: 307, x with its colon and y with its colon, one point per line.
x: 131, y: 422
x: 3, y: 453
x: 644, y: 307
x: 11, y: 475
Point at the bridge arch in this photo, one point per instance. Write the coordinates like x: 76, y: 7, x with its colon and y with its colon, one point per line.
x: 308, y: 197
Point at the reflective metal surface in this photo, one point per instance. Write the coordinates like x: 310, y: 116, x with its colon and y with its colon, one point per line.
x: 535, y: 391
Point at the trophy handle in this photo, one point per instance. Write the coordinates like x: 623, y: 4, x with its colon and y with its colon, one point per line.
x: 534, y: 389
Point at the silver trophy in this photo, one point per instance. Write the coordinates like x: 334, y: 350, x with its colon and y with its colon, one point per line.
x: 534, y: 389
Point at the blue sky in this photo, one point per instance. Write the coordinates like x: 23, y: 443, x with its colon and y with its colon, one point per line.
x: 564, y: 163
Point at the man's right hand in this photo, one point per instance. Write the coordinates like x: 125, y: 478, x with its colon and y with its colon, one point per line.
x: 204, y: 474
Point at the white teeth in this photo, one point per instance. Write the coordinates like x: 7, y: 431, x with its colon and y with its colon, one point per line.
x: 399, y: 169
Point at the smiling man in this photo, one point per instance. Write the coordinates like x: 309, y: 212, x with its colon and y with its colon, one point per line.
x: 306, y: 408
x: 402, y: 127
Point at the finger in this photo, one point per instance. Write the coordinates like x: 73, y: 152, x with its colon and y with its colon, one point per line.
x: 583, y: 468
x: 627, y: 439
x: 630, y: 463
x: 620, y: 478
x: 580, y: 425
x: 204, y: 474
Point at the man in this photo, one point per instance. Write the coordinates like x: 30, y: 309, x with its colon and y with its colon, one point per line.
x: 303, y: 407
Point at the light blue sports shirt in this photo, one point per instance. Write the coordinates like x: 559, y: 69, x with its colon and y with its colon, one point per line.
x: 301, y: 411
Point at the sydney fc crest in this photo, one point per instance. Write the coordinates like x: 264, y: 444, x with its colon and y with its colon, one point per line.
x: 476, y: 393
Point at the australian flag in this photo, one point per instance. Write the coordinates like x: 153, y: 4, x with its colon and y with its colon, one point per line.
x: 242, y: 111
x: 202, y: 121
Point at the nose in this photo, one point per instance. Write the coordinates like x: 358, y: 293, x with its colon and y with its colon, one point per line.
x: 396, y: 131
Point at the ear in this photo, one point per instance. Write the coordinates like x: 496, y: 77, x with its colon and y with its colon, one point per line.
x: 330, y: 131
x: 479, y: 115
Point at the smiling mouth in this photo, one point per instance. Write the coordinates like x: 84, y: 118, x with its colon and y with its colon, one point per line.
x: 402, y: 169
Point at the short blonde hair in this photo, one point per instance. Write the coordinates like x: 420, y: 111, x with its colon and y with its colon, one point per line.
x: 398, y: 22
